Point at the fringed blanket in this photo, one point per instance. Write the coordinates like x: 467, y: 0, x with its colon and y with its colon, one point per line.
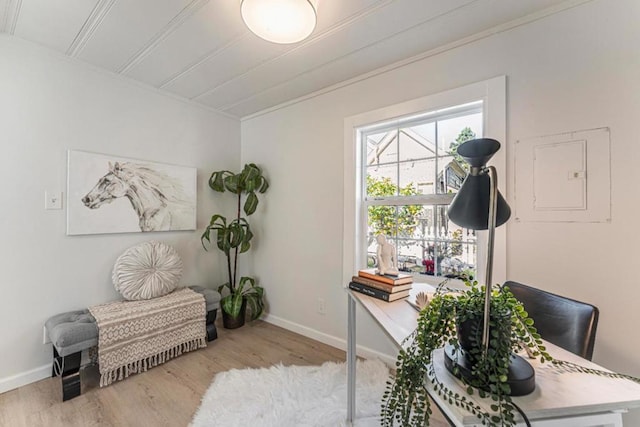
x: 134, y: 336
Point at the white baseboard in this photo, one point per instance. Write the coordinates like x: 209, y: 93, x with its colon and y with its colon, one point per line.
x: 336, y: 342
x: 24, y: 378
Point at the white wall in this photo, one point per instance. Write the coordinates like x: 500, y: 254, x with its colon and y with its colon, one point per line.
x: 571, y: 71
x: 49, y: 104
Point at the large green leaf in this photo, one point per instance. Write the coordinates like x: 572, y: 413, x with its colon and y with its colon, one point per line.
x: 236, y: 234
x: 231, y: 184
x: 254, y: 305
x: 222, y: 239
x: 253, y: 294
x: 246, y: 243
x: 263, y: 184
x: 248, y: 185
x: 217, y: 222
x: 232, y: 304
x: 216, y: 180
x: 250, y: 177
x: 218, y: 218
x: 251, y: 203
x: 245, y: 246
x: 244, y: 280
x: 228, y: 237
x: 250, y: 171
x: 205, y: 236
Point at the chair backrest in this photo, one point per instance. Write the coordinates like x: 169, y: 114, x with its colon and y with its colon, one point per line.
x: 565, y: 322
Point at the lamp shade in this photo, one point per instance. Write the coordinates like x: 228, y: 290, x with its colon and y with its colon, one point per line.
x: 279, y: 21
x: 470, y: 207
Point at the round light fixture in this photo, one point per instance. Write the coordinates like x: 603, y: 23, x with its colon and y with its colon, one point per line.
x: 279, y: 21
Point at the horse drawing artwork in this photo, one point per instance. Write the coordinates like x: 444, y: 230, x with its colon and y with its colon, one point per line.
x: 158, y: 199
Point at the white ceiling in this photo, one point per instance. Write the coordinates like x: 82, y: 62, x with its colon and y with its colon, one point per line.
x: 201, y: 50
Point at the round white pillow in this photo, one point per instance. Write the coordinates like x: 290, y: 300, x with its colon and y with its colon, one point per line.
x: 148, y: 270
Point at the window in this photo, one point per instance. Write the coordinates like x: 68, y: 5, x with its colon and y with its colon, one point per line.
x: 411, y: 172
x: 409, y: 143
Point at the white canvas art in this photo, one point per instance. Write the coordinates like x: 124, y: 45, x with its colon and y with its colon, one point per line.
x: 108, y: 194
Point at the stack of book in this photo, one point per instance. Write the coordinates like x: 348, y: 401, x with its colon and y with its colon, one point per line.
x: 382, y: 286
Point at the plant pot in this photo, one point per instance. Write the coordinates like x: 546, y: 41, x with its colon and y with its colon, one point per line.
x: 470, y: 332
x: 521, y: 376
x: 470, y: 338
x: 230, y: 322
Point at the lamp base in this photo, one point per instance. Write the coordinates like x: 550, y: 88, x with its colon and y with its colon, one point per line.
x: 521, y: 376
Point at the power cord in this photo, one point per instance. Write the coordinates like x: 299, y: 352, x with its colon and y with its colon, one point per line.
x: 524, y: 417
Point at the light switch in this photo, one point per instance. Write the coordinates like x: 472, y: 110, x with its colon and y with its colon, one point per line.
x: 52, y: 200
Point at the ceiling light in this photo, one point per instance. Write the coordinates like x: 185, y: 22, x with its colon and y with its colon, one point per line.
x: 279, y: 21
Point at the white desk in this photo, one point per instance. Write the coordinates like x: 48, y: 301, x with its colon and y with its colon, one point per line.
x: 559, y: 400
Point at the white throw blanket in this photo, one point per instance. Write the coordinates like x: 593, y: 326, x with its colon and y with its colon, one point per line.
x: 134, y: 336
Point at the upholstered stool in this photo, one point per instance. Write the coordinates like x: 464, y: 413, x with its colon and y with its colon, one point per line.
x: 70, y: 333
x: 212, y: 299
x: 75, y: 331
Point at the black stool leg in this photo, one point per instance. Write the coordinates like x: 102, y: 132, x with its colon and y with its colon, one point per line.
x: 57, y: 361
x: 68, y: 367
x: 212, y: 332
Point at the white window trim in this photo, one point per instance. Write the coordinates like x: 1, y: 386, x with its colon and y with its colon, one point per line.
x: 493, y: 94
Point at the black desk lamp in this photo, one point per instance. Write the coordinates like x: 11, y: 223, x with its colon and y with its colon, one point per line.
x: 480, y: 206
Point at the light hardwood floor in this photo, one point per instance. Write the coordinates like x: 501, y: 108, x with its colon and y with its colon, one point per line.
x: 167, y: 395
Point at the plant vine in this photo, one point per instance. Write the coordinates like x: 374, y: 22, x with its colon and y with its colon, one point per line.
x: 406, y: 402
x: 406, y: 399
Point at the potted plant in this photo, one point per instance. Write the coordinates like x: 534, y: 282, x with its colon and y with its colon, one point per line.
x: 406, y: 401
x: 234, y: 238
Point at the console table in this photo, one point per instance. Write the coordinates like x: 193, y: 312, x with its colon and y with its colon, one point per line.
x: 559, y: 400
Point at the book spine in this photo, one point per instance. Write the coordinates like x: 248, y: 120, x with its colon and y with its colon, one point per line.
x: 389, y: 280
x: 373, y: 283
x: 377, y: 277
x: 376, y: 293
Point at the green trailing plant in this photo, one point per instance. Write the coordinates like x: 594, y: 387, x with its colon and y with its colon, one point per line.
x: 234, y: 237
x: 406, y: 402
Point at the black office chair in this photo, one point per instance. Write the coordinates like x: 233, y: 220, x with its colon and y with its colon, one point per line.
x: 565, y: 322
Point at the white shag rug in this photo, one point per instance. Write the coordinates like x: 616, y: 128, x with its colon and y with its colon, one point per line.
x: 293, y: 396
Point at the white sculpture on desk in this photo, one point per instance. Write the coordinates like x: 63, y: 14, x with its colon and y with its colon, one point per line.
x: 387, y: 261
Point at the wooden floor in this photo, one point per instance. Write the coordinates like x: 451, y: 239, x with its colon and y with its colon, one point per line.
x: 167, y: 395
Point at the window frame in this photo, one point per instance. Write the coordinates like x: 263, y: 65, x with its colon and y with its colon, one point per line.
x: 434, y: 200
x: 492, y: 93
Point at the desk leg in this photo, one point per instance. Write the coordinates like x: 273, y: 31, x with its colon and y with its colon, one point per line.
x: 351, y: 360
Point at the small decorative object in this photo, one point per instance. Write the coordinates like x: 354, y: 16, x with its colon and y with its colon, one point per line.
x: 108, y: 194
x: 234, y: 238
x: 387, y: 260
x: 429, y: 266
x: 422, y: 300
